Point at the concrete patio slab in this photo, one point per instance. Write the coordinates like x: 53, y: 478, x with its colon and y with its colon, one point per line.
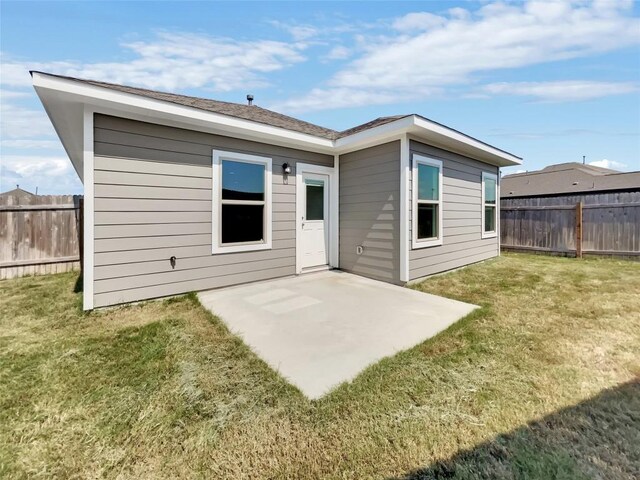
x: 321, y: 329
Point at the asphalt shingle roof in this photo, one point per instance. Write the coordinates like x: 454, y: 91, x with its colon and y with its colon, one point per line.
x: 252, y: 113
x: 255, y: 113
x: 567, y: 178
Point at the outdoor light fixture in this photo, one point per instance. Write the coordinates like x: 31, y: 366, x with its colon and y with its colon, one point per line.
x: 286, y: 168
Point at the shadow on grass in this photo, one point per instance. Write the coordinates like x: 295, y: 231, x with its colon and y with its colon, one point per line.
x: 78, y: 287
x: 597, y: 438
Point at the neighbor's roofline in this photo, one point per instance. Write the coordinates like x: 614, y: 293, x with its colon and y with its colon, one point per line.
x: 594, y: 191
x: 104, y: 98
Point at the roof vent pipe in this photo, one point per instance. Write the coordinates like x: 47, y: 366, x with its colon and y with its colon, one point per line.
x: 250, y: 99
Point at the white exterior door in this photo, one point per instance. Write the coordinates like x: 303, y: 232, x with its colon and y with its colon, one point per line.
x: 314, y: 242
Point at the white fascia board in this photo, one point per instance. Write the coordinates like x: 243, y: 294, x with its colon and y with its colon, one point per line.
x: 430, y: 132
x: 136, y: 104
x: 476, y: 148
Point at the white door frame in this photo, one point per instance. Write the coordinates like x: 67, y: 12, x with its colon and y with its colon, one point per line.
x: 332, y: 224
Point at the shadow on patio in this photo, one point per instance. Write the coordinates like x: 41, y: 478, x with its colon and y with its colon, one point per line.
x: 597, y: 438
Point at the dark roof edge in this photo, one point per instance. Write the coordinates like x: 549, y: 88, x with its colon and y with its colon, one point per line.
x: 568, y: 194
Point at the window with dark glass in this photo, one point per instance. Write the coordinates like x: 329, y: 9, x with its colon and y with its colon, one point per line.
x: 428, y: 201
x: 243, y: 202
x: 315, y: 199
x: 490, y: 195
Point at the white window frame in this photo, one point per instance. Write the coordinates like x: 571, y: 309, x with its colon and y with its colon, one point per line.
x: 494, y: 233
x: 426, y: 242
x: 216, y: 208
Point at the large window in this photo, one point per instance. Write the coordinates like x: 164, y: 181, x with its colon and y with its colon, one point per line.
x: 489, y: 205
x: 427, y: 202
x: 241, y: 213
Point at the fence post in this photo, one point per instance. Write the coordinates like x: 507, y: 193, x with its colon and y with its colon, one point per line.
x: 579, y: 230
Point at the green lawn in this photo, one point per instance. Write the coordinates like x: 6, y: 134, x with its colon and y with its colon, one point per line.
x: 542, y: 382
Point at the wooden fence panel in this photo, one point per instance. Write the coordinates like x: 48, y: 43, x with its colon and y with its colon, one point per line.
x: 610, y: 224
x: 552, y: 229
x: 612, y: 228
x: 39, y: 234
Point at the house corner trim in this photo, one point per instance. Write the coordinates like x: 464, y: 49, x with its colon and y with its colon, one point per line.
x: 404, y: 208
x: 89, y: 215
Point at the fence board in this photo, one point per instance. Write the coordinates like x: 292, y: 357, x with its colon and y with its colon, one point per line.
x: 39, y: 234
x: 610, y: 224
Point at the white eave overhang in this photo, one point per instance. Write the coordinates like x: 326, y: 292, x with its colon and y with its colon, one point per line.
x: 432, y: 133
x: 65, y: 101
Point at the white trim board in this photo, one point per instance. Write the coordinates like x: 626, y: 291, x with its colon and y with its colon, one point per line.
x: 335, y: 217
x: 333, y: 211
x: 404, y: 207
x: 493, y: 234
x: 89, y: 212
x: 431, y: 242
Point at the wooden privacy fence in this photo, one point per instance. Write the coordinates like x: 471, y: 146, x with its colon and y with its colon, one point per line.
x: 611, y: 229
x: 40, y: 234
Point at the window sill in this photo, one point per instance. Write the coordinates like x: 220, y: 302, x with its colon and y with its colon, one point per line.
x: 418, y: 244
x: 489, y: 235
x: 241, y: 248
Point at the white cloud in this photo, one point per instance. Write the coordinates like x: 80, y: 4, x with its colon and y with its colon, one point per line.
x: 612, y: 164
x: 320, y: 99
x: 18, y: 122
x: 459, y: 13
x: 297, y: 31
x: 418, y: 21
x: 175, y: 61
x: 563, y: 91
x: 497, y: 36
x: 339, y: 52
x: 50, y: 174
x: 12, y: 94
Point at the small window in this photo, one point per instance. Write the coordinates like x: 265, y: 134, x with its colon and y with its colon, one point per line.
x: 489, y: 205
x: 315, y: 199
x: 241, y: 210
x: 427, y: 202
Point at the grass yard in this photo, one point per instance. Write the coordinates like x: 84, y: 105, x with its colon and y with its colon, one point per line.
x: 542, y: 382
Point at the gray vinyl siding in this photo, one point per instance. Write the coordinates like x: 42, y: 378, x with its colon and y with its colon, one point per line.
x: 462, y: 215
x: 153, y: 200
x: 370, y: 213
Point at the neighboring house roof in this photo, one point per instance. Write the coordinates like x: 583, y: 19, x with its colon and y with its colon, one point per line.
x: 17, y: 192
x: 567, y: 178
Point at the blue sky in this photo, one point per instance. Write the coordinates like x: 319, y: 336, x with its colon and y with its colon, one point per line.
x: 548, y: 81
